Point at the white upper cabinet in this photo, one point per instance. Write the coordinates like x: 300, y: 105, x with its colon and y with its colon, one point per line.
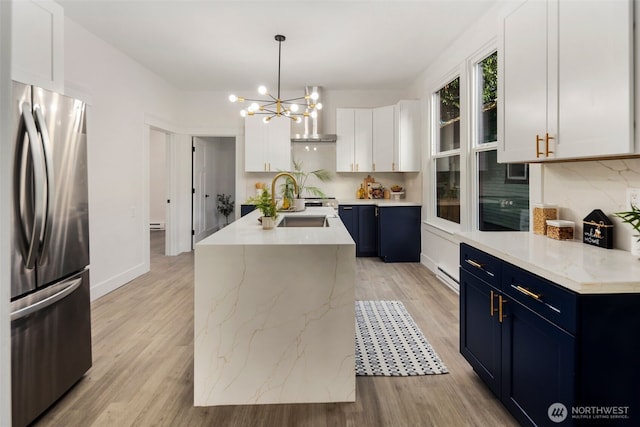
x: 38, y: 44
x: 383, y: 138
x: 406, y: 153
x: 267, y: 146
x: 354, y: 127
x: 566, y: 79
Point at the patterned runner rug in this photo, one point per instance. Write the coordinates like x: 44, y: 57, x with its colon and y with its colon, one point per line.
x: 389, y: 343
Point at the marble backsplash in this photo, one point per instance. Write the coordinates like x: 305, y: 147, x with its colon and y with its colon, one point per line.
x: 579, y: 187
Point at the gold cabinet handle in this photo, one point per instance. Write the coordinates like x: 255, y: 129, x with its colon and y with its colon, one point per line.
x: 500, y: 302
x: 393, y: 166
x: 546, y: 145
x: 491, y: 304
x: 357, y: 167
x: 527, y: 292
x: 474, y: 263
x: 373, y: 166
x: 538, y: 141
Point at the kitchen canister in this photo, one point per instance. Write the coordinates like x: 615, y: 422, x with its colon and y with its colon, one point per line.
x: 541, y: 213
x: 560, y: 229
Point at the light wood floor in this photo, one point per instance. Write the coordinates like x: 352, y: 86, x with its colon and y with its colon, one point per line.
x: 142, y: 372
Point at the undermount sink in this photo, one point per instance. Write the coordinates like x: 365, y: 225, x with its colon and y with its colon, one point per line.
x: 304, y: 221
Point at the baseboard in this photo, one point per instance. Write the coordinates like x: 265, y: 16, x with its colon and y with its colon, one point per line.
x: 440, y: 274
x: 101, y: 289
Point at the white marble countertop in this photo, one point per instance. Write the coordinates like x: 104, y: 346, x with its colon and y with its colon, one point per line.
x: 379, y: 202
x: 248, y: 231
x: 579, y: 267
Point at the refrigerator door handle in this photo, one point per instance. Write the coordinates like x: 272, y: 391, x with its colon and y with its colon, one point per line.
x: 39, y: 167
x: 73, y: 285
x: 41, y: 125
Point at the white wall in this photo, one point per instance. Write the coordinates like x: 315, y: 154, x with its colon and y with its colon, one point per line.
x: 157, y: 176
x: 439, y: 247
x: 120, y: 93
x: 580, y: 187
x: 5, y: 196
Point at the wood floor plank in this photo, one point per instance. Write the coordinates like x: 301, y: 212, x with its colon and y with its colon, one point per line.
x: 142, y: 372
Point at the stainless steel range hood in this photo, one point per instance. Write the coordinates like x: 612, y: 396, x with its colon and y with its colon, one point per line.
x: 312, y: 132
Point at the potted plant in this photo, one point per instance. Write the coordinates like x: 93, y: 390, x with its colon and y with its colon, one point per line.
x: 265, y: 205
x: 301, y: 178
x: 632, y: 218
x: 225, y: 206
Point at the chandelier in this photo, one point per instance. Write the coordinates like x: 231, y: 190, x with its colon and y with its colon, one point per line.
x: 293, y: 108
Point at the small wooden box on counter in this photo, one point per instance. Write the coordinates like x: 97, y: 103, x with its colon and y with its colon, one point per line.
x: 598, y: 230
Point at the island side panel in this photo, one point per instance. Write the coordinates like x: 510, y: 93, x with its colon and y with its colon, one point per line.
x: 274, y: 324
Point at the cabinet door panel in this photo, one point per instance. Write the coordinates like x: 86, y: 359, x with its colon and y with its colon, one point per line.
x: 407, y: 148
x: 367, y: 243
x: 349, y: 217
x: 279, y: 144
x: 345, y: 130
x: 399, y: 233
x: 538, y: 365
x: 594, y: 79
x: 38, y: 44
x: 524, y: 77
x: 255, y: 142
x: 383, y: 139
x: 480, y: 337
x: 363, y: 140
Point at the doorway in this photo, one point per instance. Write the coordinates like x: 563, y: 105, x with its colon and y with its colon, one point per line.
x: 213, y: 166
x: 158, y: 186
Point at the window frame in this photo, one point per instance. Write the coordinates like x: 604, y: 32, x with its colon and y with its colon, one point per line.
x: 434, y: 135
x: 474, y: 145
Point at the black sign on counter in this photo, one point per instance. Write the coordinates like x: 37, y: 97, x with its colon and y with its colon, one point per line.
x: 598, y: 230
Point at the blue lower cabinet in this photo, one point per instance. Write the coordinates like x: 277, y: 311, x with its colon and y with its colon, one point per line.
x: 538, y: 367
x: 349, y: 217
x: 552, y: 356
x: 480, y: 332
x: 367, y: 242
x: 361, y: 222
x: 399, y: 233
x: 245, y: 209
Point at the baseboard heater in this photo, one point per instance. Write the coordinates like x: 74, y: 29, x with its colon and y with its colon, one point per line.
x: 156, y: 225
x: 448, y: 279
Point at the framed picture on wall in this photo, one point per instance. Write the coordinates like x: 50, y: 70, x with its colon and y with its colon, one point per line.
x: 517, y: 173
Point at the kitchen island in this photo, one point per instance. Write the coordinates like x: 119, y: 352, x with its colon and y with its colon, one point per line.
x: 274, y: 314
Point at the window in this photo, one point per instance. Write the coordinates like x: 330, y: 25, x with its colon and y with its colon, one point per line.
x: 502, y: 189
x: 446, y: 102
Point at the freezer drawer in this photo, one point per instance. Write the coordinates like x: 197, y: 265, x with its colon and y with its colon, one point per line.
x: 50, y: 347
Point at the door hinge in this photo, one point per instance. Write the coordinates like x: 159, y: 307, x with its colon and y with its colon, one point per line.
x: 193, y: 232
x: 193, y: 149
x: 193, y: 191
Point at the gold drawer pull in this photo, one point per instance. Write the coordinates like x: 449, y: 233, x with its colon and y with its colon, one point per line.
x: 476, y: 264
x: 527, y: 292
x: 493, y: 310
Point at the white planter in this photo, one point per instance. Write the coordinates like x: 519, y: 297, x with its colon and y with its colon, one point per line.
x: 635, y: 245
x: 268, y: 222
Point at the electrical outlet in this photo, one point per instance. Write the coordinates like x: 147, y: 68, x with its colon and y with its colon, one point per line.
x: 633, y: 197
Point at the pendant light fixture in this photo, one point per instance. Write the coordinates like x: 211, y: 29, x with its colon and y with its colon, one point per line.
x: 293, y: 108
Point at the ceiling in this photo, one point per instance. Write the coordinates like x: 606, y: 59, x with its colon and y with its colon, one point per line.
x: 230, y: 46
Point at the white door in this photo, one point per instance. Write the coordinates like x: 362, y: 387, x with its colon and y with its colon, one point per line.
x: 201, y: 198
x: 363, y: 140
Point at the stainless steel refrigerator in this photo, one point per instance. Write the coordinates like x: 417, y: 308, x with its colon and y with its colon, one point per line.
x: 50, y: 306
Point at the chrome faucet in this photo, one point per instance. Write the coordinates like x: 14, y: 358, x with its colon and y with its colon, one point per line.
x: 273, y: 184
